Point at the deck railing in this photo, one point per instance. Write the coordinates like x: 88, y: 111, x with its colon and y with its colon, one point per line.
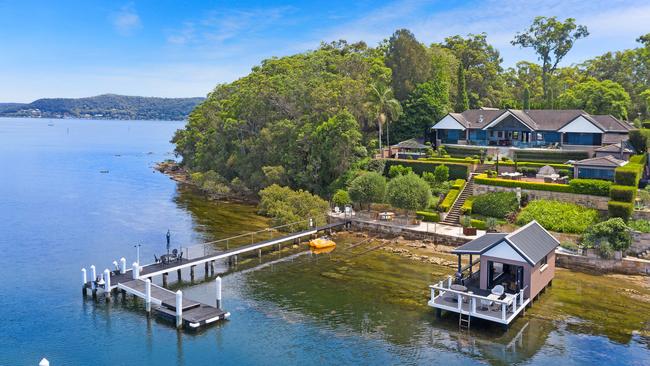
x: 443, y: 288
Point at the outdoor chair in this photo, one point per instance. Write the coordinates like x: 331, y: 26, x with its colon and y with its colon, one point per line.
x: 180, y: 257
x: 155, y: 259
x: 498, y: 290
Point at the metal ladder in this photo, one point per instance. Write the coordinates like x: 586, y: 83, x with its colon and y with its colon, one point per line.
x: 464, y: 321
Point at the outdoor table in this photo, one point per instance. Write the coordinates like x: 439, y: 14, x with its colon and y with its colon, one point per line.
x: 166, y: 258
x: 458, y: 288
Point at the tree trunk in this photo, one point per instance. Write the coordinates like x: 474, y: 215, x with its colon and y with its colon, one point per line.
x: 380, y: 152
x: 388, y: 140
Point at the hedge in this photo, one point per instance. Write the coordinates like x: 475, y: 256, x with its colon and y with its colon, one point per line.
x: 467, y: 160
x: 456, y: 170
x: 639, y: 159
x: 594, y: 187
x: 558, y: 216
x: 532, y: 164
x: 553, y: 187
x: 620, y: 209
x: 496, y: 204
x: 479, y: 224
x: 466, y: 208
x: 555, y: 156
x: 449, y: 200
x: 427, y: 216
x: 622, y: 193
x: 458, y: 184
x: 630, y: 173
x: 462, y: 151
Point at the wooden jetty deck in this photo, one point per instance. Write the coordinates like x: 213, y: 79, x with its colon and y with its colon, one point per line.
x: 193, y: 314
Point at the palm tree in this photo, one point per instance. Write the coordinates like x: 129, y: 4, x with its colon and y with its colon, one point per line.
x: 385, y: 107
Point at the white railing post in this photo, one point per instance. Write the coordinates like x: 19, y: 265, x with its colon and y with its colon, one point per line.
x: 448, y: 281
x: 433, y: 293
x: 503, y: 311
x: 136, y: 270
x: 179, y: 308
x: 84, y: 278
x: 122, y: 265
x: 218, y: 290
x: 514, y: 304
x: 147, y: 294
x: 473, y: 300
x: 441, y: 284
x: 44, y: 362
x: 521, y: 297
x: 460, y: 301
x: 93, y: 273
x: 107, y: 280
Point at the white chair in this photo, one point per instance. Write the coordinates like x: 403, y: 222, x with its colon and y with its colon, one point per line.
x: 337, y: 210
x: 498, y: 290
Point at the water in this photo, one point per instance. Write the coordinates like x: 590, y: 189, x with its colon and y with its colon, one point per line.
x: 59, y: 213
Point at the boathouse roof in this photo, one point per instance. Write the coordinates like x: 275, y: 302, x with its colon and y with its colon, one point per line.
x: 531, y: 241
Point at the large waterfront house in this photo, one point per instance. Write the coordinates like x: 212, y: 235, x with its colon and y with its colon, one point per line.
x: 514, y: 269
x: 529, y: 128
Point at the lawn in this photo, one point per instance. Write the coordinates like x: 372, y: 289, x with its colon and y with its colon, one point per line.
x: 559, y: 216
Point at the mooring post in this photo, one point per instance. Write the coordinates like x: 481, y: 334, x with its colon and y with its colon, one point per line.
x: 218, y: 289
x: 178, y: 272
x: 192, y: 273
x: 206, y: 269
x: 164, y: 276
x: 93, y: 273
x: 136, y: 270
x: 122, y: 265
x: 107, y: 284
x: 147, y: 294
x: 44, y: 362
x: 179, y: 309
x: 84, y: 280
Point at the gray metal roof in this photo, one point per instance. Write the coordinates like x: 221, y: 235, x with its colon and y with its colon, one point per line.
x: 607, y: 161
x: 532, y: 241
x: 480, y: 244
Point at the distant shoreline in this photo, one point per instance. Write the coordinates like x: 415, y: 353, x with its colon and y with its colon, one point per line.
x: 95, y: 119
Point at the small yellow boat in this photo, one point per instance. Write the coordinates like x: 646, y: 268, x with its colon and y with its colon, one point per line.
x: 323, y: 242
x: 323, y: 250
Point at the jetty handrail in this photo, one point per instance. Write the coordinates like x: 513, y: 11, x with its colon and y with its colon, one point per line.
x: 446, y: 289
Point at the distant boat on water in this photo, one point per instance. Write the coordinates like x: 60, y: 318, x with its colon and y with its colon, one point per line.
x: 103, y: 171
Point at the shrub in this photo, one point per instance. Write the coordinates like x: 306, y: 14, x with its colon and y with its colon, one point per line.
x: 341, y: 198
x: 456, y: 170
x: 466, y: 208
x: 640, y: 225
x: 558, y: 216
x: 645, y: 124
x: 564, y: 172
x: 376, y: 165
x: 396, y: 170
x: 497, y: 204
x: 408, y: 192
x: 286, y: 206
x: 628, y: 175
x: 441, y: 173
x: 622, y: 193
x: 446, y: 203
x: 458, y: 184
x: 553, y: 187
x: 427, y: 216
x: 529, y: 172
x: 594, y: 187
x: 368, y: 188
x: 491, y: 223
x: 479, y: 224
x: 556, y: 156
x: 639, y: 140
x: 466, y: 221
x: 613, y: 231
x: 620, y: 209
x: 462, y: 151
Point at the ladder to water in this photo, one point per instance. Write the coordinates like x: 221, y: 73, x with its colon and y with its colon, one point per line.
x: 464, y: 321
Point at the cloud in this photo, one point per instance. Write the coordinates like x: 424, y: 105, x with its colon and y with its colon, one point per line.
x: 126, y: 21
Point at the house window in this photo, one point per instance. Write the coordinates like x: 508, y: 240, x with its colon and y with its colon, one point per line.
x: 515, y: 135
x: 491, y: 133
x: 540, y: 137
x: 543, y: 263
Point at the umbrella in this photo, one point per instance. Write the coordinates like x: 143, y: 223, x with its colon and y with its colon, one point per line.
x: 169, y: 235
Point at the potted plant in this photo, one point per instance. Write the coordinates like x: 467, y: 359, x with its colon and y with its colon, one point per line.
x: 468, y: 230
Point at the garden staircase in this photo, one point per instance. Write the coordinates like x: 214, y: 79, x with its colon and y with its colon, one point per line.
x: 453, y: 216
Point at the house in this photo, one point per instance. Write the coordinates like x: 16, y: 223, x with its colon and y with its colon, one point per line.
x: 620, y: 150
x: 529, y: 128
x: 600, y: 167
x: 513, y: 269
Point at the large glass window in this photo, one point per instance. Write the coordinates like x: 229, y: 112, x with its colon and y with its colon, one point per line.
x: 596, y: 173
x: 574, y: 138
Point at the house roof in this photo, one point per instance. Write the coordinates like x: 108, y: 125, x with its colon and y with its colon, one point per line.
x: 531, y: 241
x: 539, y: 119
x: 411, y: 144
x: 615, y: 148
x: 607, y: 161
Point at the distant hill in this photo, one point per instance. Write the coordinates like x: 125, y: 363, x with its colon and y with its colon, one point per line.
x: 106, y: 106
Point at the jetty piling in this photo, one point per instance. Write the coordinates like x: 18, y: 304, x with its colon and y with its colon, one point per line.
x: 179, y: 308
x: 84, y: 278
x: 122, y: 265
x: 147, y: 295
x: 218, y: 290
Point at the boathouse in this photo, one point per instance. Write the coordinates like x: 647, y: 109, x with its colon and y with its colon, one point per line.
x: 513, y: 269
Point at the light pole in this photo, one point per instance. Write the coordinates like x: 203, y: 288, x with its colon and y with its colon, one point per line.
x: 137, y: 251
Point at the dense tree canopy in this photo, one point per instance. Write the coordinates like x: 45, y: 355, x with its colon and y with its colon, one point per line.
x: 597, y: 97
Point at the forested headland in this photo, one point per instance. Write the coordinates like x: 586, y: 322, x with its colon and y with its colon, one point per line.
x: 312, y: 120
x: 106, y: 106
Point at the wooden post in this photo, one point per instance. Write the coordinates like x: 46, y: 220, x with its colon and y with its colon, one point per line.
x: 179, y: 309
x: 147, y: 295
x: 107, y: 284
x: 192, y: 273
x: 164, y: 276
x: 218, y: 290
x: 122, y: 265
x: 84, y: 280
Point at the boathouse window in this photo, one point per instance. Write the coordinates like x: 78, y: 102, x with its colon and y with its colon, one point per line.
x: 543, y: 263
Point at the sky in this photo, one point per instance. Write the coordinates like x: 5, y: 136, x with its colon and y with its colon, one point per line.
x: 167, y: 48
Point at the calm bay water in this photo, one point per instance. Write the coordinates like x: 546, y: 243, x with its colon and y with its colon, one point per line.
x: 59, y: 213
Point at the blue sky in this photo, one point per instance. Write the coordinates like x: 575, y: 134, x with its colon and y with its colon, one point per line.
x: 169, y: 48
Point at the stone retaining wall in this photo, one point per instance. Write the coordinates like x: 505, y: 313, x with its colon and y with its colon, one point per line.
x: 627, y: 265
x: 640, y: 242
x: 641, y: 215
x: 407, y: 233
x: 597, y: 202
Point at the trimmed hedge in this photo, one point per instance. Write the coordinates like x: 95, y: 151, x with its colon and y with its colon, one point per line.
x: 467, y: 160
x: 456, y: 170
x: 463, y: 151
x: 555, y: 156
x: 427, y: 216
x: 622, y: 193
x: 479, y: 224
x: 620, y: 209
x: 458, y: 184
x: 594, y: 187
x: 466, y: 208
x: 496, y: 204
x: 639, y: 159
x: 553, y: 187
x: 449, y: 200
x: 630, y: 173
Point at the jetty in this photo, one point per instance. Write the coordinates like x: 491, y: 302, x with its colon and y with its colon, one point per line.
x: 170, y: 305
